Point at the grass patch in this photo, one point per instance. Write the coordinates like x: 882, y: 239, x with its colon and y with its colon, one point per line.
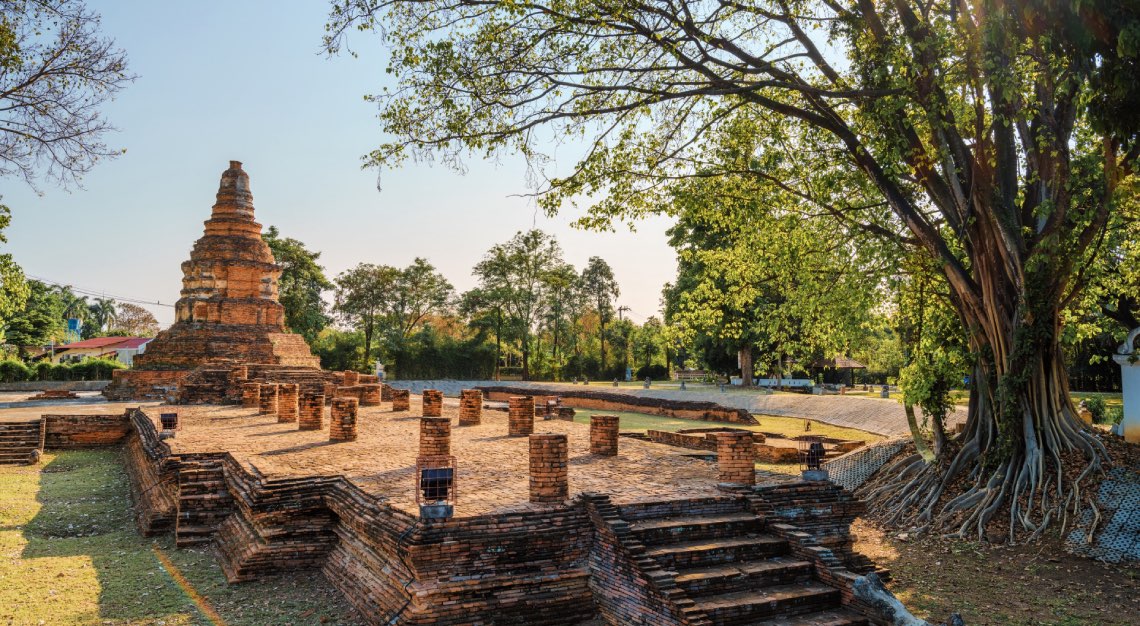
x: 70, y: 554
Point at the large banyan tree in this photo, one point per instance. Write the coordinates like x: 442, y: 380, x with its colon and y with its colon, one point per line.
x: 992, y: 136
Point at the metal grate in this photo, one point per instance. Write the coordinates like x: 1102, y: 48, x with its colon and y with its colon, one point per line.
x: 853, y: 469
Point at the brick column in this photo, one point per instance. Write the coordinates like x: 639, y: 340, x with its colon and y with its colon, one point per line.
x: 239, y: 375
x: 520, y: 416
x: 470, y: 407
x: 433, y: 402
x: 385, y: 392
x: 342, y: 422
x: 435, y: 436
x: 268, y: 399
x: 604, y: 435
x: 311, y: 412
x: 401, y: 400
x: 287, y: 403
x: 735, y: 458
x: 251, y: 395
x: 549, y: 454
x: 370, y: 395
x: 330, y: 392
x: 351, y: 378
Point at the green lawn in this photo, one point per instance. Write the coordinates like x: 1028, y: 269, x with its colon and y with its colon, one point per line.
x: 70, y: 554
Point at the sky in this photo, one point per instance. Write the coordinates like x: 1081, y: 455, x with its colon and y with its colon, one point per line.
x: 247, y: 81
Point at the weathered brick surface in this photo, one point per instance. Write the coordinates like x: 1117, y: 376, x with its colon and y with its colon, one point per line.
x: 287, y: 399
x: 369, y: 394
x: 251, y: 395
x: 735, y: 458
x: 68, y: 432
x: 342, y: 421
x: 228, y: 312
x: 435, y: 437
x: 385, y: 392
x: 401, y: 399
x: 470, y: 407
x: 606, y: 401
x: 549, y: 476
x: 351, y: 378
x: 432, y: 403
x: 520, y: 414
x: 268, y: 399
x: 311, y: 410
x: 604, y: 435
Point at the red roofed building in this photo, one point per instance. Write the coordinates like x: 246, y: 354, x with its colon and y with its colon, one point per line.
x: 122, y: 348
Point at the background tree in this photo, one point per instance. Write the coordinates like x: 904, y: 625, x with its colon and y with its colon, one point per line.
x: 13, y: 286
x: 648, y: 343
x: 301, y: 286
x: 56, y: 72
x: 419, y: 291
x: 101, y: 315
x: 992, y: 136
x: 483, y: 308
x: 601, y: 288
x: 363, y: 299
x: 564, y: 293
x: 518, y: 270
x: 39, y: 322
x: 134, y: 321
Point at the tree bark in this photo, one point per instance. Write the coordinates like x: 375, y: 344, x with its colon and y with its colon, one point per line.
x: 746, y: 370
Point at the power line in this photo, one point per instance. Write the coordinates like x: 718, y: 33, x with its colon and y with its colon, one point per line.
x: 98, y: 293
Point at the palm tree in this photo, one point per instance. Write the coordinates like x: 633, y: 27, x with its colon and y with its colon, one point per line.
x: 103, y: 313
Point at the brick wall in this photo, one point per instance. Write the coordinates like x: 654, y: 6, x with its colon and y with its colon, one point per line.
x: 681, y: 409
x: 84, y: 431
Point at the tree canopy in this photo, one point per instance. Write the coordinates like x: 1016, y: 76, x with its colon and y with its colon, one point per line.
x: 301, y: 286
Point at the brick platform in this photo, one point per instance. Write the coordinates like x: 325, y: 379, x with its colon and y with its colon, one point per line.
x: 311, y: 412
x: 470, y: 407
x: 432, y: 402
x: 604, y: 435
x: 521, y: 416
x: 287, y: 398
x: 342, y: 422
x: 549, y: 477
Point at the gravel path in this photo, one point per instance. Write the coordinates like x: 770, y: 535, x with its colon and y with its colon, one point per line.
x: 876, y: 415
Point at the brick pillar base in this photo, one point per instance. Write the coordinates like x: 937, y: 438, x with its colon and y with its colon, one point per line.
x: 435, y: 436
x: 311, y: 412
x: 549, y: 456
x: 342, y: 423
x: 287, y: 403
x: 604, y: 435
x: 330, y: 392
x: 470, y: 407
x: 251, y: 395
x: 267, y: 402
x: 238, y: 377
x: 401, y: 400
x: 370, y: 395
x: 735, y: 458
x: 385, y: 392
x: 433, y: 403
x: 520, y: 416
x: 351, y: 378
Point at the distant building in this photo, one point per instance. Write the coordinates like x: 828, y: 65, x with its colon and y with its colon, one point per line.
x: 123, y: 349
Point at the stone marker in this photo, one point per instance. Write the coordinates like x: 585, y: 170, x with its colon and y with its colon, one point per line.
x: 604, y: 435
x: 520, y: 416
x: 736, y: 458
x: 549, y: 468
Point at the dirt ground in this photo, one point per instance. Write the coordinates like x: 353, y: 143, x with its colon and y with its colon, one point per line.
x: 1012, y: 586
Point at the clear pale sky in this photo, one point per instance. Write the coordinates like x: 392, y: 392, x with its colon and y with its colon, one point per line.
x: 247, y: 81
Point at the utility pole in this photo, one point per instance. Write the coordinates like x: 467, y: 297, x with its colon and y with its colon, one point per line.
x: 620, y: 310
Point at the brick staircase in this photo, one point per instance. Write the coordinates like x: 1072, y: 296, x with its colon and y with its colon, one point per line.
x: 19, y: 441
x: 203, y: 502
x: 734, y: 571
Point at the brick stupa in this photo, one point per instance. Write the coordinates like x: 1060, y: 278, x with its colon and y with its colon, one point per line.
x: 228, y: 314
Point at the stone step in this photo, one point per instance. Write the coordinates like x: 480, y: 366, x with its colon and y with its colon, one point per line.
x: 741, y: 576
x: 834, y: 617
x: 713, y: 551
x: 693, y: 527
x: 16, y: 458
x: 745, y: 607
x: 671, y: 508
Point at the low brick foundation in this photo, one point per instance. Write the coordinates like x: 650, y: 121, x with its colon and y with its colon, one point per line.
x: 370, y: 394
x: 69, y: 432
x: 401, y: 400
x: 606, y: 401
